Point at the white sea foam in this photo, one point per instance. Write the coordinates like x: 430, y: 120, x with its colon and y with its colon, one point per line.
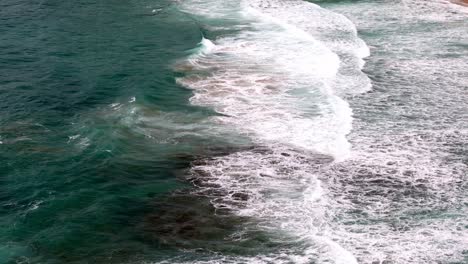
x: 264, y: 76
x: 277, y: 78
x: 333, y: 30
x: 435, y: 10
x: 401, y: 197
x: 280, y: 190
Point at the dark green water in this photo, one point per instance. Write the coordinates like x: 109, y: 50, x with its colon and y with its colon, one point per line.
x: 76, y: 181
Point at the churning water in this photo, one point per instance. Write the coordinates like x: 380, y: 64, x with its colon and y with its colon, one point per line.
x: 246, y: 131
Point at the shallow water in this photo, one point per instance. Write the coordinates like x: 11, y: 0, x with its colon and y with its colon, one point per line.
x: 260, y: 131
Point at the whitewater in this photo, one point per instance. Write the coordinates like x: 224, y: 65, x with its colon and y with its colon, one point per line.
x: 280, y: 73
x: 279, y: 79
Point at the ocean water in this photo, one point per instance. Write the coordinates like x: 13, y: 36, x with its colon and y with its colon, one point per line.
x: 246, y: 131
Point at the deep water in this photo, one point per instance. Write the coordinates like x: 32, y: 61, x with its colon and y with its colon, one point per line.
x: 77, y: 177
x: 233, y: 131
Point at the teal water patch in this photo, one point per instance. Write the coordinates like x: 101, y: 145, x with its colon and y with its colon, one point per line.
x: 79, y: 166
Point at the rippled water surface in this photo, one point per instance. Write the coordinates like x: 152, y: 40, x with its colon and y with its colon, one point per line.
x: 247, y: 131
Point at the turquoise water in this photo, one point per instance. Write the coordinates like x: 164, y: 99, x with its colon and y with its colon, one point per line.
x: 77, y: 176
x: 262, y: 131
